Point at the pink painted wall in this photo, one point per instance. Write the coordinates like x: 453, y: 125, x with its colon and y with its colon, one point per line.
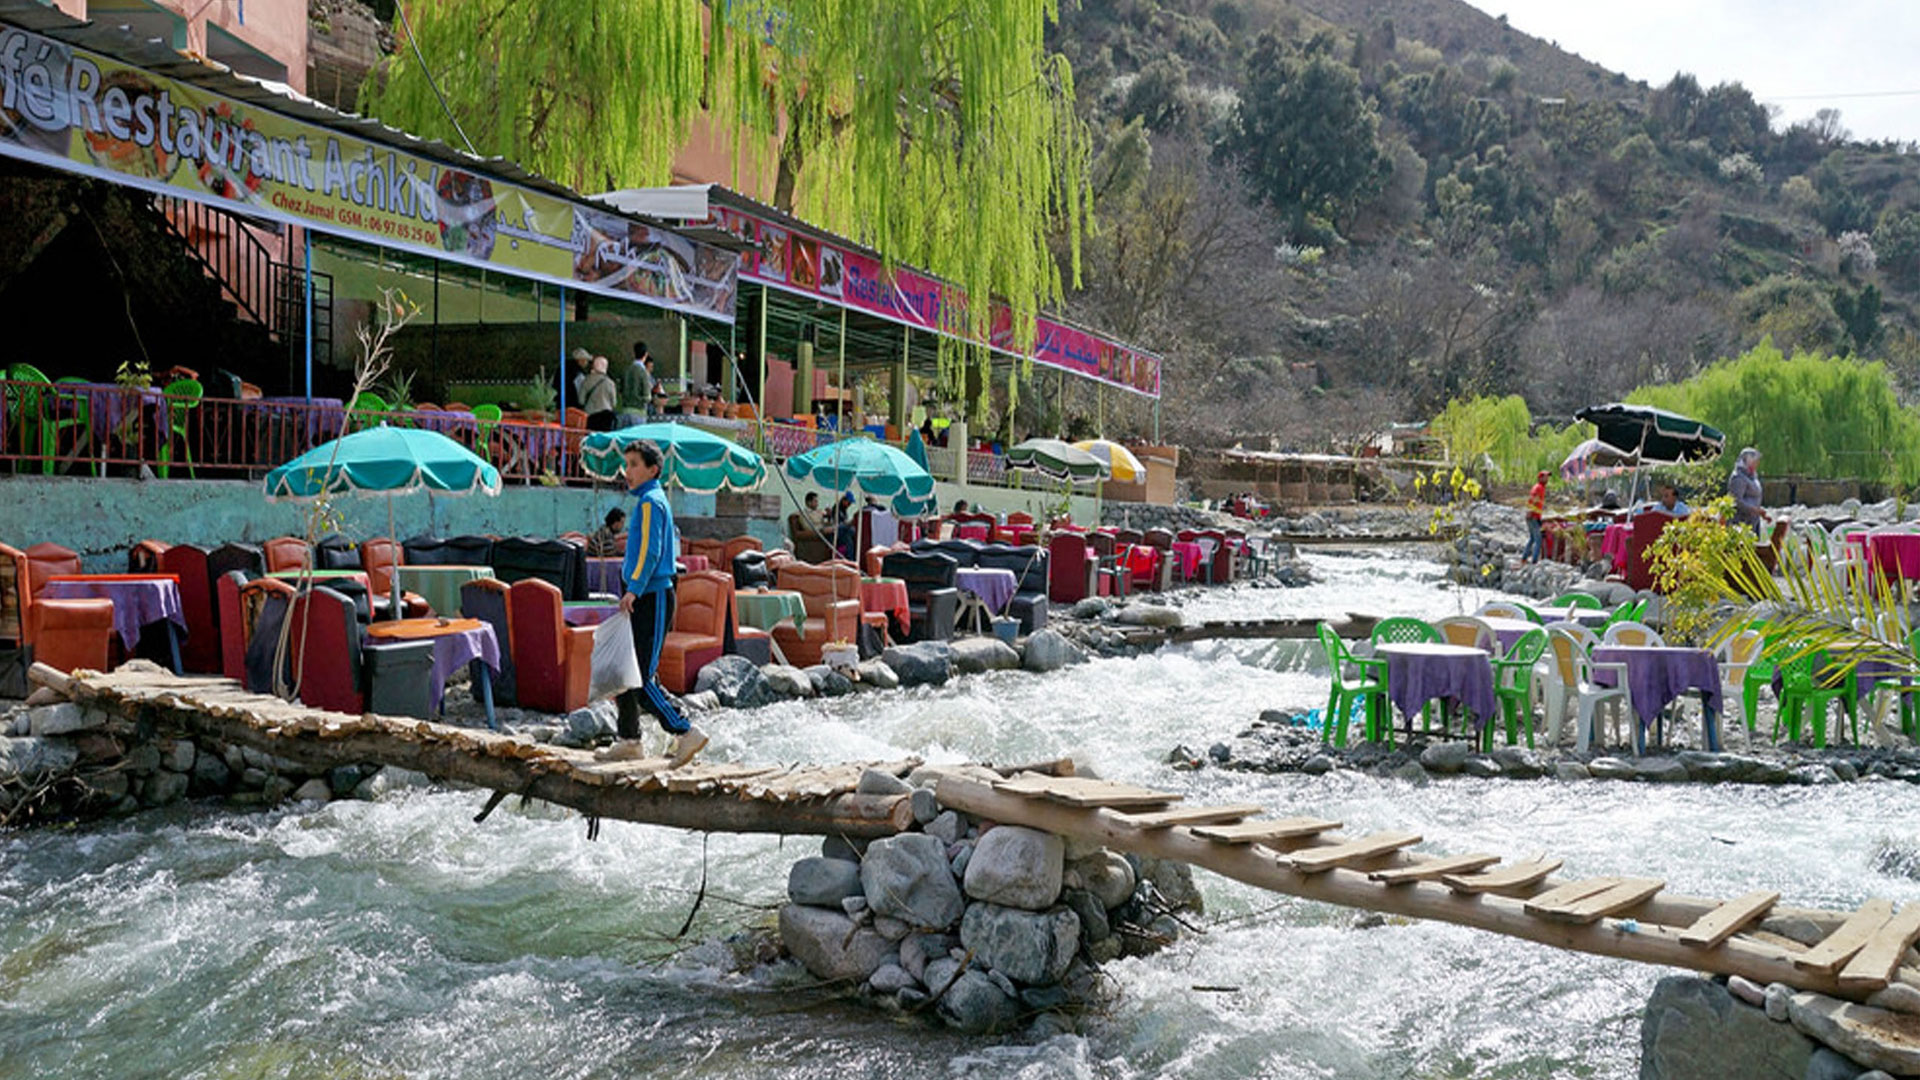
x: 277, y: 28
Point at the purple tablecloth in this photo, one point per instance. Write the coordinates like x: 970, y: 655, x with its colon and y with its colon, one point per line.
x: 1656, y: 676
x: 1419, y: 673
x: 447, y: 422
x: 603, y: 574
x: 588, y: 614
x: 109, y: 405
x: 135, y: 603
x: 319, y: 419
x: 993, y: 587
x: 451, y: 650
x: 1508, y: 630
x: 1587, y: 617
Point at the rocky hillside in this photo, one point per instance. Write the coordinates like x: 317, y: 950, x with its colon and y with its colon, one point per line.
x: 1331, y: 214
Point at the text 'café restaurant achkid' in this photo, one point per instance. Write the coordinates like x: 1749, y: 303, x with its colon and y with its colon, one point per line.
x: 304, y: 217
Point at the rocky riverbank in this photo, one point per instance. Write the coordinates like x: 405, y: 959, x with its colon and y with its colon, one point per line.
x: 1707, y: 1029
x: 985, y: 927
x: 1281, y: 741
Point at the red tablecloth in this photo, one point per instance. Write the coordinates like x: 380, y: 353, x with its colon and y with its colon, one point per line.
x: 971, y: 530
x: 1614, y: 543
x: 696, y: 563
x: 889, y: 595
x: 1189, y: 554
x: 1893, y: 552
x: 1019, y: 534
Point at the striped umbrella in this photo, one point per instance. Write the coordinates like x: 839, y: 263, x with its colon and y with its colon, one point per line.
x: 1051, y: 457
x: 1122, y: 466
x: 695, y: 459
x: 869, y: 468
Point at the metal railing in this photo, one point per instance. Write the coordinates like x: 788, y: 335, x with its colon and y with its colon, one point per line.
x: 108, y: 429
x: 226, y: 246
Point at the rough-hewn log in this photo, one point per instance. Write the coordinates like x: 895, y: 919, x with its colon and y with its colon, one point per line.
x: 850, y: 815
x: 1652, y: 939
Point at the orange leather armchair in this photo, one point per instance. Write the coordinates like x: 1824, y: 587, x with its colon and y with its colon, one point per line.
x: 832, y: 595
x: 144, y: 557
x: 378, y: 557
x: 65, y: 634
x: 715, y: 551
x: 285, y: 553
x: 699, y: 631
x: 734, y: 547
x: 551, y: 660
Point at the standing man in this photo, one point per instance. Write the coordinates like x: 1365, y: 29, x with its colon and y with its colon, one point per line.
x: 1744, y: 485
x: 599, y: 397
x: 637, y: 382
x: 582, y: 364
x: 647, y: 600
x: 1536, y: 509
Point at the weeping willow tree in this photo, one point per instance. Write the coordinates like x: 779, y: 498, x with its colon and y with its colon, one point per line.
x: 939, y: 132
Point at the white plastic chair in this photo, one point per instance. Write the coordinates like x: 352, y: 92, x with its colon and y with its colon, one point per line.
x: 1555, y: 678
x: 1736, y: 655
x: 1633, y: 635
x: 1572, y: 682
x: 1469, y: 631
x: 1207, y: 546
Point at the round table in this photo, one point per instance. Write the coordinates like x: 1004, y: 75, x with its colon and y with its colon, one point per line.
x: 1189, y: 554
x: 1656, y: 675
x: 1893, y: 552
x: 1419, y: 672
x: 439, y: 586
x: 1507, y: 630
x: 765, y: 609
x: 984, y: 593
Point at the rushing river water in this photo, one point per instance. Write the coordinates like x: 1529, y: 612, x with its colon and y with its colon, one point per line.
x: 400, y: 939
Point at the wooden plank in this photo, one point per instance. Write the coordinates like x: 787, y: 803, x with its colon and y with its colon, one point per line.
x: 1623, y: 895
x: 1082, y: 792
x: 1569, y: 893
x: 1873, y: 966
x: 1190, y: 815
x: 1853, y: 935
x: 1433, y: 870
x: 1320, y: 859
x: 1253, y: 832
x: 1518, y: 875
x: 1716, y: 926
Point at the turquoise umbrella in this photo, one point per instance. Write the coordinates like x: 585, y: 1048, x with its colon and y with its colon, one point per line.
x: 917, y: 449
x: 383, y: 461
x: 696, y: 459
x: 870, y: 468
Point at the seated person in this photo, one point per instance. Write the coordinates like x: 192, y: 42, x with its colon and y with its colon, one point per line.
x: 610, y: 539
x: 1669, y: 503
x: 843, y: 525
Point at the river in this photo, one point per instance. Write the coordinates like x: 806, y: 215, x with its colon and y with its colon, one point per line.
x: 399, y: 939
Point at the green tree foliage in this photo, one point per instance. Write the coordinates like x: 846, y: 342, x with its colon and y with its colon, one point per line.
x: 1811, y: 414
x: 1859, y: 312
x: 1896, y: 241
x: 1794, y: 312
x: 941, y: 133
x: 1306, y: 134
x: 1497, y: 433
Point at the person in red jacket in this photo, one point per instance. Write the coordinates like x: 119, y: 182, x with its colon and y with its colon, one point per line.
x: 1536, y: 509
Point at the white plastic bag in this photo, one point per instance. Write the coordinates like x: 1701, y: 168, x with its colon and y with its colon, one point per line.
x: 615, y: 667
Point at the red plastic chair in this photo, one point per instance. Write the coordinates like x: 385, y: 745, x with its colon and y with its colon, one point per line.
x: 551, y: 660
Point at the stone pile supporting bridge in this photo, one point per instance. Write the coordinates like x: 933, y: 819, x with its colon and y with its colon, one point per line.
x: 1852, y: 955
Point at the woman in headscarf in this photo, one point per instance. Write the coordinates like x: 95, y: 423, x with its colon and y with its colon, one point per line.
x: 1744, y: 485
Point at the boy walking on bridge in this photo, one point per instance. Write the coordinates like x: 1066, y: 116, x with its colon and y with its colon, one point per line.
x: 647, y: 573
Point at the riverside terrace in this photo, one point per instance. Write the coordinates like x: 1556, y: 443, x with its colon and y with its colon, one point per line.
x: 387, y: 624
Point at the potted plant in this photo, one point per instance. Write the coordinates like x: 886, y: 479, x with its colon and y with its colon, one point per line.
x: 540, y: 397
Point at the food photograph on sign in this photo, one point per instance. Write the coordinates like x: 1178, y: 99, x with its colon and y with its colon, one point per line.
x: 773, y: 253
x: 467, y: 214
x: 217, y: 170
x: 833, y: 271
x: 127, y: 156
x: 803, y: 263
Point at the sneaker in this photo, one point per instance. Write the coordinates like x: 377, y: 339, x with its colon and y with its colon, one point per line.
x: 623, y: 750
x: 687, y: 744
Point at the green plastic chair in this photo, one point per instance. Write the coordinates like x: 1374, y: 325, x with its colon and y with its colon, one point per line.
x: 1401, y: 630
x: 183, y: 396
x: 1576, y: 600
x: 1369, y: 687
x: 365, y: 407
x: 1513, y: 686
x: 1627, y: 612
x: 1805, y: 681
x: 484, y: 418
x: 29, y: 410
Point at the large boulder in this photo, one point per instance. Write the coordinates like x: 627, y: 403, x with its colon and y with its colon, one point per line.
x: 32, y: 758
x: 923, y: 663
x: 787, y: 681
x: 827, y: 682
x: 977, y: 1005
x: 736, y: 682
x: 877, y: 674
x: 65, y: 718
x: 1049, y: 650
x: 1876, y: 1038
x: 831, y: 945
x: 906, y: 877
x: 1030, y: 947
x: 1145, y: 614
x: 1107, y: 876
x: 823, y: 882
x: 1017, y: 867
x: 973, y: 655
x: 1693, y: 1029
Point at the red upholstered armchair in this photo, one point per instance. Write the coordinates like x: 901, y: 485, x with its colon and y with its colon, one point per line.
x: 325, y: 650
x: 699, y: 631
x: 1647, y: 527
x: 832, y: 596
x: 65, y: 634
x: 1073, y: 571
x: 144, y: 557
x: 188, y: 562
x: 233, y: 624
x: 286, y: 553
x: 551, y: 660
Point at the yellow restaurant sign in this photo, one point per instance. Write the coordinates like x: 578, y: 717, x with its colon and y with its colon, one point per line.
x: 83, y: 112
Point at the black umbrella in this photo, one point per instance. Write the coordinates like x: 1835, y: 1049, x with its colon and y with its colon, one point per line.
x: 1655, y: 436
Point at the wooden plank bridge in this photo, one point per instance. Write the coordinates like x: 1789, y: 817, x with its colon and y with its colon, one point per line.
x: 1845, y: 954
